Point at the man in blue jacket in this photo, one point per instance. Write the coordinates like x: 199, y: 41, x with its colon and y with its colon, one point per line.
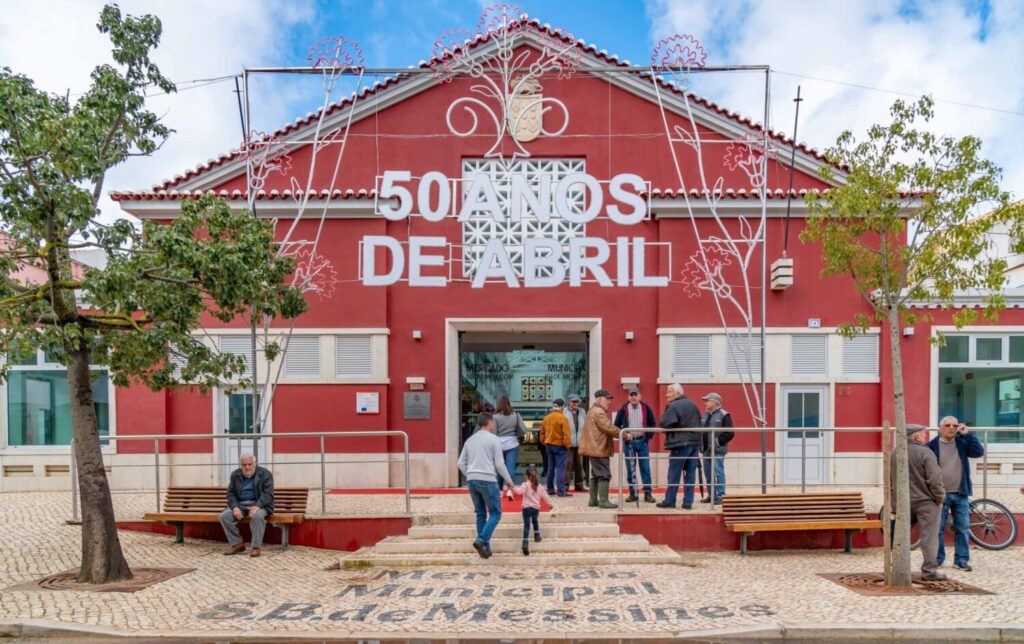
x: 954, y: 446
x: 636, y: 414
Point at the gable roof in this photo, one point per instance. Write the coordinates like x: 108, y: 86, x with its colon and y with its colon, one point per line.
x: 396, y: 88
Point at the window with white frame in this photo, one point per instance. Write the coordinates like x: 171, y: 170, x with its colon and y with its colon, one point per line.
x: 809, y: 355
x: 980, y: 378
x: 860, y: 355
x: 743, y: 356
x: 691, y: 356
x: 481, y: 227
x: 38, y: 406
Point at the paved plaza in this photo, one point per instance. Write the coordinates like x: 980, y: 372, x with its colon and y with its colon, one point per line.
x: 296, y: 592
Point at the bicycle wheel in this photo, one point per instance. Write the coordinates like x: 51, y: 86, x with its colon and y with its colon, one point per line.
x: 993, y: 526
x: 915, y: 531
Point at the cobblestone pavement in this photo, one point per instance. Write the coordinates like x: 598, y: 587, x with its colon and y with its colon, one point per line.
x: 132, y: 505
x: 291, y: 593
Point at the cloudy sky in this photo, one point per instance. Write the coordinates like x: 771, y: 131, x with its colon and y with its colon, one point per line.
x: 852, y: 59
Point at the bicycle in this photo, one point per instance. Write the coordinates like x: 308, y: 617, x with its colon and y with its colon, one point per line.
x: 991, y: 525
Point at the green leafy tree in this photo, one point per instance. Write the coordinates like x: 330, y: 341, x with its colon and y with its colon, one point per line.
x: 904, y: 227
x: 137, y: 316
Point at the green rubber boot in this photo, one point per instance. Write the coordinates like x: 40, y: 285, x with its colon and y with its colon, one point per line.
x: 593, y: 493
x: 603, y: 501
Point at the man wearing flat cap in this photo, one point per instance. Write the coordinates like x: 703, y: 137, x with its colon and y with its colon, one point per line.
x: 926, y: 496
x: 577, y: 466
x: 637, y: 414
x: 719, y: 422
x: 598, y: 442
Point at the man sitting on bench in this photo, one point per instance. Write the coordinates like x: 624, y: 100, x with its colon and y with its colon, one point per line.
x: 250, y: 494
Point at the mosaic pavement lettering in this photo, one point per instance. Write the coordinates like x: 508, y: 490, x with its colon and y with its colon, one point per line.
x: 292, y: 593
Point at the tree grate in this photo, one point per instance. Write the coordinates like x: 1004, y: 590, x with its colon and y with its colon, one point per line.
x: 873, y: 583
x: 142, y: 578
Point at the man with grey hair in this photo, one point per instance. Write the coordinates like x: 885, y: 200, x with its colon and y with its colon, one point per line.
x: 954, y: 445
x: 683, y: 446
x: 250, y: 498
x: 926, y: 496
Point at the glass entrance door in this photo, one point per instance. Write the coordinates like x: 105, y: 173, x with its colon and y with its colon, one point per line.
x: 238, y: 419
x: 530, y: 375
x: 803, y: 452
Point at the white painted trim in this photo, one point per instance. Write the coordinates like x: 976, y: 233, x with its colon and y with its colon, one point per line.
x: 278, y: 208
x: 773, y: 330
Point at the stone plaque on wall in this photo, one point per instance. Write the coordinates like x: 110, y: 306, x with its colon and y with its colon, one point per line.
x: 417, y: 405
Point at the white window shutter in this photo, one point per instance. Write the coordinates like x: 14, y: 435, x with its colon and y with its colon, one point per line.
x: 240, y: 345
x: 353, y: 356
x: 860, y: 356
x: 691, y: 356
x: 743, y: 356
x: 302, y: 358
x: 809, y: 355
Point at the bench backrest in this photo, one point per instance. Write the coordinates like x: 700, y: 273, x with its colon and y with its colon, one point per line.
x: 780, y: 508
x: 287, y: 500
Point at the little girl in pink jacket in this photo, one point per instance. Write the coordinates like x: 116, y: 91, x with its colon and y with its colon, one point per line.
x: 533, y: 494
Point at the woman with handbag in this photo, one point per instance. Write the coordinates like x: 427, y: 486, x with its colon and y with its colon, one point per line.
x: 510, y: 430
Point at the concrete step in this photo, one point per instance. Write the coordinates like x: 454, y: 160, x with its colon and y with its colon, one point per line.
x: 514, y: 528
x: 546, y: 518
x: 366, y: 557
x: 403, y: 545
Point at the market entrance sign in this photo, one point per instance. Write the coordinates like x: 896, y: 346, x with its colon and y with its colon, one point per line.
x: 546, y: 262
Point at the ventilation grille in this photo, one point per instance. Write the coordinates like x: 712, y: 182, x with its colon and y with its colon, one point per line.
x: 691, y: 356
x: 239, y: 345
x: 743, y: 357
x: 58, y: 470
x: 860, y: 356
x: 18, y: 470
x: 353, y: 356
x: 809, y: 355
x: 303, y: 356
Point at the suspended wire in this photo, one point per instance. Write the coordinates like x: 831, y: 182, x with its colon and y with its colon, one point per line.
x: 974, y: 106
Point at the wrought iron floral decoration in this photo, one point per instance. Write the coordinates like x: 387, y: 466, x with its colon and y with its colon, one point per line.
x: 508, y: 88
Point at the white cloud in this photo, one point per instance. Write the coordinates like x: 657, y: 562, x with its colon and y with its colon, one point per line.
x: 57, y: 45
x: 935, y: 51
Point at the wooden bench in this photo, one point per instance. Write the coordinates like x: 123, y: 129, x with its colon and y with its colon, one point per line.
x: 752, y: 513
x: 204, y: 505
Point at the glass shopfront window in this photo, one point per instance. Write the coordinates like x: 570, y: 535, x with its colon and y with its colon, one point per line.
x: 38, y: 409
x: 980, y: 380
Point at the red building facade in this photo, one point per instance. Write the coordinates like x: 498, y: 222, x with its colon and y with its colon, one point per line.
x: 425, y: 358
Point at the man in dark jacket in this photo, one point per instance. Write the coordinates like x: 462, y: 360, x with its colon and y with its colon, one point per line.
x: 635, y: 413
x: 953, y: 447
x: 716, y: 419
x: 926, y: 495
x: 250, y: 496
x: 683, y: 446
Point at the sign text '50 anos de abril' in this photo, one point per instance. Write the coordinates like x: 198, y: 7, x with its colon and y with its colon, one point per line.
x: 577, y: 198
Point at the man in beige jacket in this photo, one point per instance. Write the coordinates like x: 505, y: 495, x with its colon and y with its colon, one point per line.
x: 926, y: 496
x: 598, y: 442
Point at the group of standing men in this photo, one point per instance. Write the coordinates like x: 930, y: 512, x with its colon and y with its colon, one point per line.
x: 689, y: 449
x: 939, y: 474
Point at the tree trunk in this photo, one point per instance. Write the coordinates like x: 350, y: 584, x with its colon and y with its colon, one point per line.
x: 102, y: 559
x: 901, y: 575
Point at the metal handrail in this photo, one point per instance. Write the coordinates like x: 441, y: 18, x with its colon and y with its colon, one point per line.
x: 984, y: 431
x: 239, y: 437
